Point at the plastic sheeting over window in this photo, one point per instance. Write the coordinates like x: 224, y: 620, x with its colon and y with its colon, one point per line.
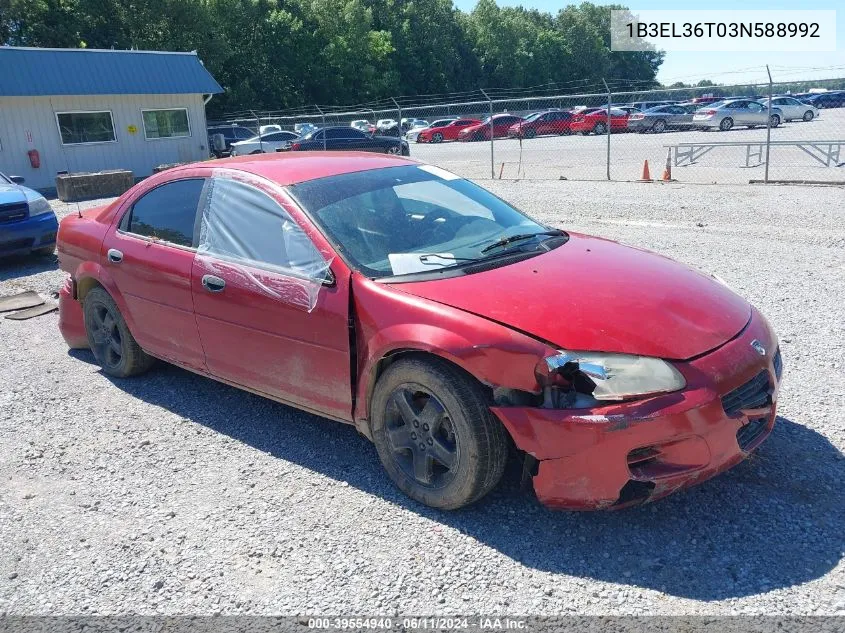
x: 248, y: 239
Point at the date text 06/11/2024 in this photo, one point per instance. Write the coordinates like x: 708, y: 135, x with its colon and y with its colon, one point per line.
x: 431, y: 623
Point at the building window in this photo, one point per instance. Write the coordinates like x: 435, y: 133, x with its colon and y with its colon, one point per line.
x: 166, y: 123
x: 77, y: 128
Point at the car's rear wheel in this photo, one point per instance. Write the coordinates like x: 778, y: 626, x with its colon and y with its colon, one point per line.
x: 600, y: 128
x: 726, y: 124
x: 775, y: 120
x: 659, y: 126
x: 393, y: 149
x: 808, y: 116
x: 435, y: 435
x: 109, y: 338
x: 437, y: 137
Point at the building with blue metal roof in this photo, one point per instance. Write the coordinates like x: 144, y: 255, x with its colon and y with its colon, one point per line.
x: 82, y: 110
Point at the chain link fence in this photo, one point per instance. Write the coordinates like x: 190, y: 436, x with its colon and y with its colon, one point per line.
x: 684, y: 134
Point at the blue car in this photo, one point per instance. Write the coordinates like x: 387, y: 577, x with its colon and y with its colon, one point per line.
x: 27, y: 222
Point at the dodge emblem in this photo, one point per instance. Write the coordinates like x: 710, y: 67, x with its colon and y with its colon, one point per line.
x: 758, y: 347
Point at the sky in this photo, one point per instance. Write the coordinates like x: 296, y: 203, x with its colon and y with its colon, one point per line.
x: 691, y: 67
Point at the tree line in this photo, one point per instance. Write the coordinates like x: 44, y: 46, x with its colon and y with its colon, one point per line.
x: 278, y: 54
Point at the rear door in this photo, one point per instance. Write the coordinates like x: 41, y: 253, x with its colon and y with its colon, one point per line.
x: 267, y: 319
x: 150, y: 257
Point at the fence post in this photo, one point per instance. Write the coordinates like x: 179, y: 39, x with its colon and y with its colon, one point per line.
x: 609, y: 101
x: 323, y: 114
x: 492, y: 157
x: 399, y: 121
x: 258, y: 130
x: 768, y: 127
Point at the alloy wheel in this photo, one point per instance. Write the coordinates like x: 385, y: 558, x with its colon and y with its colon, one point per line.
x: 421, y: 435
x: 106, y: 335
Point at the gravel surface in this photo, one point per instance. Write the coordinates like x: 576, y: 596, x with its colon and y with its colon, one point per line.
x: 170, y: 493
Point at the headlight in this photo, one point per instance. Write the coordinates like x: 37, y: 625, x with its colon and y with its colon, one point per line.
x: 609, y: 376
x: 39, y: 206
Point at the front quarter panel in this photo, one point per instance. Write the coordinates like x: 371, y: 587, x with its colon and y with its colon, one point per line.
x: 389, y: 320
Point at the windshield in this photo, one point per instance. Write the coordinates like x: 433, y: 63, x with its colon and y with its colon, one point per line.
x: 414, y: 219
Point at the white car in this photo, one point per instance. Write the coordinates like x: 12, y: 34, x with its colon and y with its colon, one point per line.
x: 265, y: 144
x: 414, y: 132
x: 383, y: 124
x: 266, y: 129
x: 792, y: 108
x: 304, y: 128
x: 361, y: 124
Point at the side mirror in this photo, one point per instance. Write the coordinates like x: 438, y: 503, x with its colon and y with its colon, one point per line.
x: 18, y: 180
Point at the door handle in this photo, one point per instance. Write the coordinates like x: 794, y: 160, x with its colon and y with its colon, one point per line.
x: 212, y: 283
x: 114, y: 255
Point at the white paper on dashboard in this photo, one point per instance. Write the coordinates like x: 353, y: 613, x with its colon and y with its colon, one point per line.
x: 407, y: 263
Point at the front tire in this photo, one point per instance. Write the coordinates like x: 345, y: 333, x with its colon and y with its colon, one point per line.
x: 659, y: 126
x: 775, y: 120
x: 435, y: 435
x: 600, y: 128
x: 437, y: 137
x: 808, y: 116
x: 109, y: 338
x: 530, y: 133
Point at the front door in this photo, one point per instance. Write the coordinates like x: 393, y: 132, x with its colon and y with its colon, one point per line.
x: 150, y: 258
x: 268, y: 316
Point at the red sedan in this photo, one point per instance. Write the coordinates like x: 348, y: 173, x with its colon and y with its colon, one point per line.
x: 481, y: 132
x: 551, y: 122
x: 416, y: 306
x: 448, y: 132
x: 595, y: 121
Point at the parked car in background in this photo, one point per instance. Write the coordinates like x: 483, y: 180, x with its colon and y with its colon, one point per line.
x: 646, y: 105
x: 501, y: 123
x: 548, y: 122
x: 384, y: 124
x: 827, y: 100
x: 231, y: 134
x: 266, y: 143
x: 705, y: 100
x: 303, y: 128
x: 662, y: 118
x: 27, y: 221
x: 627, y: 108
x: 349, y: 139
x: 413, y: 134
x: 595, y: 121
x: 792, y: 108
x: 421, y: 309
x: 409, y: 123
x: 363, y: 125
x: 418, y: 126
x: 265, y: 129
x: 447, y: 132
x: 725, y: 115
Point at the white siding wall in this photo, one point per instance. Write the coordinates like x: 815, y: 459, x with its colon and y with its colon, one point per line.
x: 30, y: 123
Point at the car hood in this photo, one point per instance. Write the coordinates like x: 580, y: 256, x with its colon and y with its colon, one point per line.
x: 12, y: 193
x: 595, y: 294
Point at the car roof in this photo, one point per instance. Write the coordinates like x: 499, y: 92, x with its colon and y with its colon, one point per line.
x: 288, y: 168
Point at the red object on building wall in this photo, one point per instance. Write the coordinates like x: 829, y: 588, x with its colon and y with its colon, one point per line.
x: 34, y: 158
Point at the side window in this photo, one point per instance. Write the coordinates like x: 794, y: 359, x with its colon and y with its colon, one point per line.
x: 167, y: 213
x: 243, y: 223
x: 755, y: 107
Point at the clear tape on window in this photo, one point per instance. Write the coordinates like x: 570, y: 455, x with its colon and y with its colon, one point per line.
x: 249, y: 240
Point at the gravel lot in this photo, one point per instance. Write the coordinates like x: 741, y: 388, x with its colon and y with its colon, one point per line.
x: 170, y: 493
x: 584, y: 157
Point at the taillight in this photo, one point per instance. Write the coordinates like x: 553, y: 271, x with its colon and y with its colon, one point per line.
x: 295, y: 147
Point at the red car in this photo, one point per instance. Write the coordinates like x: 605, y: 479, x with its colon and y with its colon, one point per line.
x: 595, y: 121
x: 448, y: 132
x: 551, y: 122
x: 481, y: 131
x: 428, y: 313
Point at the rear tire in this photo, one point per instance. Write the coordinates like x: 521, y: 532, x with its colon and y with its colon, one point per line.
x: 659, y: 126
x: 775, y: 120
x: 437, y: 137
x: 435, y: 435
x: 109, y: 338
x: 726, y: 124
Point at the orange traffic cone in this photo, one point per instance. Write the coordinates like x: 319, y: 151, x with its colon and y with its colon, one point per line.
x: 646, y: 175
x: 667, y: 171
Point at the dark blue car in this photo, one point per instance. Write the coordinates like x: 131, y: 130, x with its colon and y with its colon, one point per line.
x: 27, y: 222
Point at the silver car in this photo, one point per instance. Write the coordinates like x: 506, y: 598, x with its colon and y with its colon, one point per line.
x: 725, y: 115
x: 792, y: 108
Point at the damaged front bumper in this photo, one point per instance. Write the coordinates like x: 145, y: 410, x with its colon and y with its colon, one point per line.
x: 634, y: 452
